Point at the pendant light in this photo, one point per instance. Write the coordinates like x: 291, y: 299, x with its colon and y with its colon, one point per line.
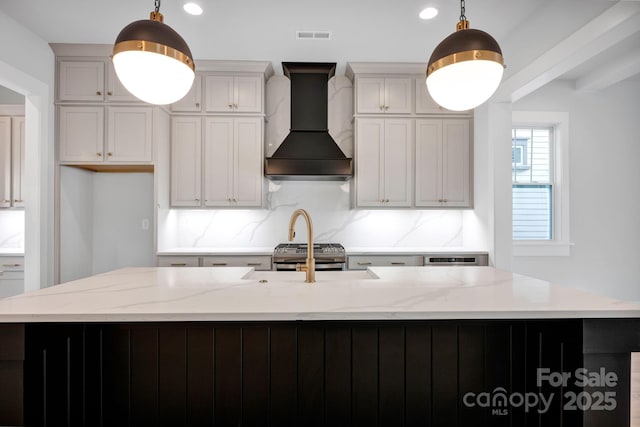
x: 152, y: 61
x: 465, y: 69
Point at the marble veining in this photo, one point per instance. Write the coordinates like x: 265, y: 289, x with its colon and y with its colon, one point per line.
x: 12, y: 230
x: 227, y: 293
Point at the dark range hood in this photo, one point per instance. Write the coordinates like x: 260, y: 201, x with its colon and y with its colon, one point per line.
x: 309, y: 152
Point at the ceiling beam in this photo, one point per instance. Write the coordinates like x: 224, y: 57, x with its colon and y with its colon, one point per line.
x: 606, y: 30
x: 611, y: 74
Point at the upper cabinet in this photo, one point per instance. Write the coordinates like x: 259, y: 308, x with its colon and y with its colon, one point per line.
x: 426, y: 105
x: 383, y: 162
x: 234, y: 94
x: 442, y: 163
x: 384, y: 95
x: 92, y: 80
x: 128, y: 131
x: 12, y: 162
x: 192, y: 101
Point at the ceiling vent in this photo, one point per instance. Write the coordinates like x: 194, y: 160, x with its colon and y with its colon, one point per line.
x: 313, y: 35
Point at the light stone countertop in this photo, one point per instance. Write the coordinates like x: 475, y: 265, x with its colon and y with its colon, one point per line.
x: 236, y: 294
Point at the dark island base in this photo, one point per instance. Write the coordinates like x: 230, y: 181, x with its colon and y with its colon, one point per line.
x: 338, y: 373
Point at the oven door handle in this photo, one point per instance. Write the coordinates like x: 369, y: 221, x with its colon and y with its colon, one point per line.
x: 289, y: 266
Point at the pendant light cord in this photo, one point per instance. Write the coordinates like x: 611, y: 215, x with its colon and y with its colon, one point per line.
x: 462, y: 10
x: 157, y: 4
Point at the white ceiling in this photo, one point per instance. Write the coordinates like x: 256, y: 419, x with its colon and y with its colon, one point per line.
x: 362, y: 30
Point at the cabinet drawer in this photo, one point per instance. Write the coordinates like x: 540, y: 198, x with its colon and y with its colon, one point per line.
x: 11, y: 264
x: 259, y: 262
x: 178, y: 261
x: 361, y: 262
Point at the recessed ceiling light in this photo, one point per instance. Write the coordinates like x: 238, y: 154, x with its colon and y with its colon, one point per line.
x: 429, y: 13
x: 192, y: 8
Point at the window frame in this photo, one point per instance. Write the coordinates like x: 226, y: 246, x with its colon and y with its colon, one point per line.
x: 559, y: 244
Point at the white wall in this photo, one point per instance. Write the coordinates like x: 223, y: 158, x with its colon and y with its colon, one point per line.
x: 27, y: 67
x: 101, y: 222
x: 604, y: 129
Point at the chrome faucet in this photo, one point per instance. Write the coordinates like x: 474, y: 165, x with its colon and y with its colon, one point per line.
x: 310, y: 265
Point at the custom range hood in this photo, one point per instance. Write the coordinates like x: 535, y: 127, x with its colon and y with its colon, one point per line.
x: 309, y: 152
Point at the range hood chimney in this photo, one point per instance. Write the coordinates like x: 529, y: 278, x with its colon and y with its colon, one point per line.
x: 309, y: 152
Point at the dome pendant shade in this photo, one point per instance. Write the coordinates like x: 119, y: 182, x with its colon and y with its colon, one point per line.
x: 465, y: 69
x: 153, y: 62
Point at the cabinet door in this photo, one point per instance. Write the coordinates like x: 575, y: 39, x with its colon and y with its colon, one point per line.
x: 81, y: 81
x: 369, y: 158
x: 186, y: 161
x: 248, y: 176
x: 5, y: 162
x: 218, y: 161
x: 397, y: 173
x: 219, y: 94
x: 428, y: 163
x: 115, y: 89
x: 81, y: 134
x: 248, y: 94
x: 370, y: 95
x: 398, y: 98
x: 129, y: 134
x: 192, y: 101
x: 17, y: 160
x: 455, y: 163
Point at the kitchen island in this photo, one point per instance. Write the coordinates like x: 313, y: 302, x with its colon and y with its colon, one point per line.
x: 385, y: 346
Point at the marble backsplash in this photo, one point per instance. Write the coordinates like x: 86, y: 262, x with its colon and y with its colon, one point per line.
x: 12, y: 230
x: 329, y: 204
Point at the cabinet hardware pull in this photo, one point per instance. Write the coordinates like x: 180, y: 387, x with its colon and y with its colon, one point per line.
x: 110, y: 154
x: 99, y: 154
x: 198, y: 104
x: 218, y: 264
x: 230, y: 105
x: 11, y: 265
x: 197, y: 200
x: 6, y: 201
x: 98, y: 93
x: 179, y: 264
x: 397, y: 263
x: 109, y: 93
x: 386, y: 107
x: 364, y: 262
x: 381, y: 107
x: 254, y: 264
x: 445, y: 200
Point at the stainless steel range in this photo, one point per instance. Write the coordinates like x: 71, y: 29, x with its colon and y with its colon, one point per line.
x: 328, y: 256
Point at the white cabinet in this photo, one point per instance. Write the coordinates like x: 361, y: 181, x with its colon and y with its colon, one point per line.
x: 426, y: 105
x: 186, y: 161
x: 11, y: 276
x: 223, y: 169
x: 90, y: 80
x: 11, y: 162
x: 233, y: 94
x: 192, y: 101
x: 258, y: 262
x: 442, y: 163
x: 233, y: 161
x: 178, y: 261
x: 128, y: 129
x: 383, y: 162
x: 384, y: 95
x: 361, y: 262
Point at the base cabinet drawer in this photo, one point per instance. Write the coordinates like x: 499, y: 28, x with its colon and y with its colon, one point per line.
x: 361, y: 262
x: 178, y: 261
x: 258, y: 262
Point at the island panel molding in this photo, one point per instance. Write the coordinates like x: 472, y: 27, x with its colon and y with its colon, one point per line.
x: 313, y: 373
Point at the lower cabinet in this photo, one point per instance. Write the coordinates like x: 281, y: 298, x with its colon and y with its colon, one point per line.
x: 316, y: 373
x: 11, y: 276
x: 258, y: 262
x: 361, y: 262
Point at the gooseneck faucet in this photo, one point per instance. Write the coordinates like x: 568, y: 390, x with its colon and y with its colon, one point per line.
x: 310, y: 265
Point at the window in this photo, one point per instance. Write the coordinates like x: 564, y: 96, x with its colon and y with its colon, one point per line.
x: 532, y: 183
x: 539, y: 183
